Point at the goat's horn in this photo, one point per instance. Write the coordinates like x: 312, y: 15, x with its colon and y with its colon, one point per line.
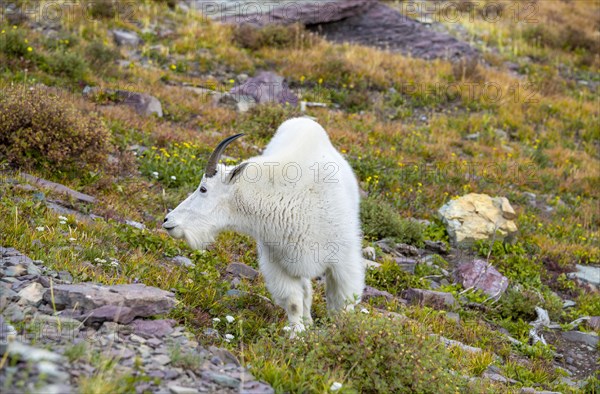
x: 211, y: 167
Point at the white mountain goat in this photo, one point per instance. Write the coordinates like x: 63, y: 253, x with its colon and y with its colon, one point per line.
x: 300, y: 202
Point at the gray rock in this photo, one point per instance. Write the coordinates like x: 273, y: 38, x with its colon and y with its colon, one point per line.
x: 242, y: 270
x: 126, y: 38
x: 145, y: 301
x: 437, y: 247
x: 29, y: 353
x: 32, y: 269
x: 175, y: 389
x: 143, y: 104
x: 473, y: 137
x: 370, y: 264
x: 183, y: 261
x: 266, y: 87
x: 478, y: 217
x: 133, y: 223
x: 371, y: 292
x: 594, y: 323
x: 221, y: 379
x: 589, y: 339
x: 369, y: 253
x: 162, y: 359
x: 588, y: 274
x: 15, y: 271
x: 451, y: 342
x: 406, y: 264
x: 407, y: 250
x: 116, y: 313
x: 483, y: 276
x: 53, y: 389
x: 14, y: 313
x: 65, y: 277
x: 53, y: 371
x: 32, y: 294
x: 149, y: 328
x: 434, y: 299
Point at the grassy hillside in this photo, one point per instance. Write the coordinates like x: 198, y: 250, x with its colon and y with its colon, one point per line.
x: 418, y: 133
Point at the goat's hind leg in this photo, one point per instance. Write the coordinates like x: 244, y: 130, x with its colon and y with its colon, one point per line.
x: 343, y: 287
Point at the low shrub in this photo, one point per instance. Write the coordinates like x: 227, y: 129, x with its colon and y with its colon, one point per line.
x: 38, y: 129
x: 380, y: 220
x: 274, y: 36
x: 394, y: 357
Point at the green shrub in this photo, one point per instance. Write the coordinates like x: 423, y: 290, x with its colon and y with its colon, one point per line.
x: 38, y: 129
x: 12, y: 42
x: 99, y: 55
x: 101, y: 9
x: 273, y: 35
x: 263, y: 120
x: 367, y: 354
x: 391, y: 278
x: 380, y: 220
x: 65, y: 63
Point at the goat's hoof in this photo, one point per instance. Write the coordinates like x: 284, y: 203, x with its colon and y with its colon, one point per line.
x: 295, y: 329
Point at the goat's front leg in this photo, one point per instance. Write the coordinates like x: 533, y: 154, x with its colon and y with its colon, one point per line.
x: 287, y: 291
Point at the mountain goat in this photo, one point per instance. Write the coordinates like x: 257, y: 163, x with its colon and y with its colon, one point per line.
x: 300, y: 201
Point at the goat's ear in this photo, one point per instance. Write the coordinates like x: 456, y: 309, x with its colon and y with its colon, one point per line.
x: 236, y: 172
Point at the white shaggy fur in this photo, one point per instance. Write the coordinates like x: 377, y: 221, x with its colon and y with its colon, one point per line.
x: 300, y: 202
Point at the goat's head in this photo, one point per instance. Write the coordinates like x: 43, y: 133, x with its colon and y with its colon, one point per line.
x: 200, y: 217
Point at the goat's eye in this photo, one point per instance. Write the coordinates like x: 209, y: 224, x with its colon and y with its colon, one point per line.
x: 203, y: 189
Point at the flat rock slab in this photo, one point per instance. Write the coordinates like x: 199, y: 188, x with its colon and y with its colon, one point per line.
x: 364, y: 22
x: 57, y: 187
x: 586, y: 338
x: 371, y: 292
x: 434, y: 299
x: 150, y: 328
x: 242, y: 270
x: 483, y: 276
x: 144, y: 301
x: 266, y: 87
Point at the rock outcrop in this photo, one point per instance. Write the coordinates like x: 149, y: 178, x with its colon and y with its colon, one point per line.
x: 478, y: 217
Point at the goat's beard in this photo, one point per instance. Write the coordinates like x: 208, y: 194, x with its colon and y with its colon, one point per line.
x: 198, y: 240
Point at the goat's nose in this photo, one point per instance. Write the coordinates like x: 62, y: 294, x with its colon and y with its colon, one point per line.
x: 166, y: 220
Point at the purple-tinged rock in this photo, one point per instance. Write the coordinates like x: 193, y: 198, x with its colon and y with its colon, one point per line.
x: 149, y: 328
x: 434, y: 299
x: 483, y: 276
x: 266, y: 87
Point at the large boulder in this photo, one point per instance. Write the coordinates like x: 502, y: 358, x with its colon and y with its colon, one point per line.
x: 478, y: 217
x: 434, y: 299
x: 364, y: 22
x: 143, y: 104
x: 133, y: 300
x: 266, y: 87
x: 481, y: 275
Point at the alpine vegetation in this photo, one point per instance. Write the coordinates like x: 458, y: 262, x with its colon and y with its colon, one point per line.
x: 300, y: 201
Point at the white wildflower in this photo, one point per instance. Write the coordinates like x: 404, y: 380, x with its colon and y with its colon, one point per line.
x: 335, y: 386
x: 216, y: 320
x: 230, y: 319
x: 228, y: 337
x: 62, y: 218
x: 62, y: 222
x: 365, y: 311
x: 72, y: 239
x: 173, y: 177
x: 155, y: 174
x: 287, y: 328
x: 41, y: 228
